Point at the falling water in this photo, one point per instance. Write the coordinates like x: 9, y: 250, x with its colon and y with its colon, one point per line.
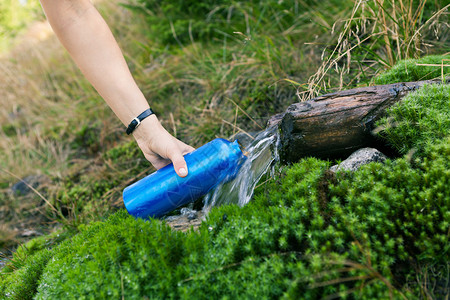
x: 261, y: 153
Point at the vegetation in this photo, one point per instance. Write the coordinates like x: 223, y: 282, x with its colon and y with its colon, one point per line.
x: 409, y: 125
x: 425, y: 68
x: 14, y: 17
x: 188, y: 21
x: 366, y: 234
x: 380, y: 232
x: 374, y: 37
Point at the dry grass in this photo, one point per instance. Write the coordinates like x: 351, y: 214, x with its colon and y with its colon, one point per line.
x: 46, y: 104
x: 7, y: 236
x: 50, y: 121
x: 376, y: 35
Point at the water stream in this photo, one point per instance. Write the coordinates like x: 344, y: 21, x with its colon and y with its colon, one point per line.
x: 261, y: 154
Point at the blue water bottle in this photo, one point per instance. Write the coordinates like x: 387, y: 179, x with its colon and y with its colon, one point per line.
x: 163, y: 191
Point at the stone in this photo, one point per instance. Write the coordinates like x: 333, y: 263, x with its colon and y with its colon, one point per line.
x: 186, y: 220
x: 359, y: 158
x: 22, y: 187
x: 31, y: 233
x: 189, y: 213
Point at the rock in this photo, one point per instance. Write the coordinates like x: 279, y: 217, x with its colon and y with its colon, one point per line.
x: 189, y: 213
x: 187, y: 219
x: 21, y: 188
x: 2, y: 262
x: 171, y: 219
x: 30, y: 233
x: 358, y: 158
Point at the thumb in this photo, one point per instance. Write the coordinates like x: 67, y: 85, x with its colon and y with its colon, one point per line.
x: 179, y: 164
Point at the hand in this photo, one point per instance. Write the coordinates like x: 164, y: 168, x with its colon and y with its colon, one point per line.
x: 160, y: 147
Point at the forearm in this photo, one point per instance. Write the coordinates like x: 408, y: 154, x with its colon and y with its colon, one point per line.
x: 84, y: 33
x: 86, y: 36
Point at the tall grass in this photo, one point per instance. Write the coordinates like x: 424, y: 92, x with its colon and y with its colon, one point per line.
x: 376, y: 35
x: 245, y: 58
x: 52, y: 122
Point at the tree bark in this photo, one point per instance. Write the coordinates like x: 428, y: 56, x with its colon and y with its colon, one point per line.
x: 335, y: 125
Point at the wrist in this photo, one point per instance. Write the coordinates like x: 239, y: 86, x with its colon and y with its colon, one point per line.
x: 148, y: 127
x: 138, y: 120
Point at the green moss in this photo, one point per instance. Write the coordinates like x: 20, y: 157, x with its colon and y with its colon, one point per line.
x: 125, y: 251
x: 413, y: 70
x: 292, y: 241
x: 421, y: 118
x: 22, y: 283
x: 303, y: 235
x: 43, y: 242
x: 21, y: 274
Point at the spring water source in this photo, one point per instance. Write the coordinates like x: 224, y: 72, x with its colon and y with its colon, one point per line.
x: 261, y: 154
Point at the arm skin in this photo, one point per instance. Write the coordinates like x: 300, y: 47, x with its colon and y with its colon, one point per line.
x: 88, y: 39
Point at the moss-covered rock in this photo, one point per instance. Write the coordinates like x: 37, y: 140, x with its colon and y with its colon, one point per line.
x: 416, y: 69
x: 421, y: 118
x: 309, y: 235
x: 22, y: 283
x: 20, y: 276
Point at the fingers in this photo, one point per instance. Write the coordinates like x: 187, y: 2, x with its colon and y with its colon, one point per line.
x: 174, y: 154
x: 179, y: 164
x: 188, y: 149
x: 157, y: 161
x: 160, y: 148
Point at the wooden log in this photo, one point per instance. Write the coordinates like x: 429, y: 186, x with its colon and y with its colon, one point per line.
x: 335, y: 125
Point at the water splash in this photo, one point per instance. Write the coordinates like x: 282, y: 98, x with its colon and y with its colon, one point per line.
x: 261, y: 153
